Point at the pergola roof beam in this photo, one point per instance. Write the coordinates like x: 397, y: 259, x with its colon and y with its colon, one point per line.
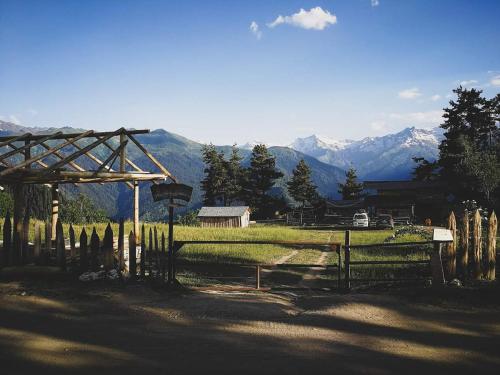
x: 14, y: 139
x: 28, y: 145
x: 113, y: 157
x: 30, y: 137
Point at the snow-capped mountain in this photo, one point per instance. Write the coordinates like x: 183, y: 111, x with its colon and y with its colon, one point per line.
x: 385, y: 157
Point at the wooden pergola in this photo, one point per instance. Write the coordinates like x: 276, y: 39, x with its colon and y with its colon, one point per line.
x: 54, y: 159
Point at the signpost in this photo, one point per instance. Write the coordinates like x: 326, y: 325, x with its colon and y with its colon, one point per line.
x: 171, y: 192
x: 439, y: 236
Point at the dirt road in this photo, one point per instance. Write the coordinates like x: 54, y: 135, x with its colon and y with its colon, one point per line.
x: 62, y: 326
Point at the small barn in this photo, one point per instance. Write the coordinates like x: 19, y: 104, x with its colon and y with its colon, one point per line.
x: 225, y: 217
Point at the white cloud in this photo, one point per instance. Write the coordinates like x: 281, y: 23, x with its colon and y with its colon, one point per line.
x: 254, y: 28
x: 495, y: 81
x: 315, y: 19
x: 429, y: 117
x: 378, y: 125
x: 375, y: 3
x: 32, y: 112
x: 470, y: 82
x: 436, y: 97
x: 412, y: 93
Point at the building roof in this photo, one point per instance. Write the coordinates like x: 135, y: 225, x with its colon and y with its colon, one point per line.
x: 345, y: 203
x: 236, y: 211
x: 401, y: 185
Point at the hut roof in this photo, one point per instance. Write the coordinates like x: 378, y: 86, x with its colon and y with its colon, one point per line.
x: 236, y: 211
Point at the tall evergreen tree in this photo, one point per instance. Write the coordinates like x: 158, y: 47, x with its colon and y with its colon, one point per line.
x: 351, y: 189
x: 235, y: 177
x: 214, y: 183
x: 301, y: 187
x: 262, y: 175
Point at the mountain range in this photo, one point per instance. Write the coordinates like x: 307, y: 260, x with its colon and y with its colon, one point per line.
x: 387, y: 157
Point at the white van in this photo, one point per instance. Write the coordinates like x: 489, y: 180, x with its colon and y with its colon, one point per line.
x: 360, y: 220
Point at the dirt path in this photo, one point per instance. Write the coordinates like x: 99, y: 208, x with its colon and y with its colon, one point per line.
x: 309, y: 278
x: 60, y: 327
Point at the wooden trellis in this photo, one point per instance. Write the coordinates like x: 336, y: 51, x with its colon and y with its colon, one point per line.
x: 53, y: 159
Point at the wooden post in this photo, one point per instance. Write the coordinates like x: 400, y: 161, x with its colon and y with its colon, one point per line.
x: 136, y: 210
x: 150, y: 254
x: 7, y: 241
x: 107, y: 248
x: 477, y: 245
x: 55, y: 208
x: 19, y: 210
x: 171, y: 255
x: 143, y: 253
x: 451, y: 248
x: 132, y: 256
x: 347, y: 259
x: 492, y: 247
x: 48, y: 242
x: 60, y: 246
x: 25, y: 257
x: 121, y: 246
x: 84, y: 262
x: 163, y: 257
x: 437, y: 265
x: 337, y: 249
x: 72, y: 243
x: 123, y: 155
x: 94, y: 251
x: 257, y: 277
x: 37, y: 243
x: 464, y: 245
x: 157, y: 252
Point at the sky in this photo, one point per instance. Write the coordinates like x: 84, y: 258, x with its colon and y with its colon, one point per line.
x: 242, y: 71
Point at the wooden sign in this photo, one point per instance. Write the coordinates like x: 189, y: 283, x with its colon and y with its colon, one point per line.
x: 442, y: 235
x: 171, y: 191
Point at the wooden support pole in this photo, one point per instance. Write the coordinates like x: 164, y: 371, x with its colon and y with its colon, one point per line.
x: 123, y: 154
x: 477, y: 245
x: 48, y: 242
x: 171, y: 255
x: 7, y: 241
x: 464, y: 245
x: 257, y: 277
x: 163, y: 257
x: 60, y: 246
x: 150, y: 254
x: 136, y: 210
x: 492, y: 247
x: 72, y: 244
x: 347, y: 259
x: 157, y: 252
x: 19, y: 210
x: 143, y: 253
x: 54, y: 190
x: 451, y: 248
x: 132, y: 256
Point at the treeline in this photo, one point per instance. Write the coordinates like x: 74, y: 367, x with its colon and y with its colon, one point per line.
x: 227, y: 182
x: 469, y: 155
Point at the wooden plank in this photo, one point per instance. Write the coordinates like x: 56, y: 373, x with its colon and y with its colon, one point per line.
x: 477, y: 245
x: 491, y: 253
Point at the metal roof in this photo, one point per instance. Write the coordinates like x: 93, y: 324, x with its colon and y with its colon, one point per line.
x: 236, y: 211
x: 401, y: 185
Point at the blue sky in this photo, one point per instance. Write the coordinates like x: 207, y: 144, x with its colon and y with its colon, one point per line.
x: 339, y: 68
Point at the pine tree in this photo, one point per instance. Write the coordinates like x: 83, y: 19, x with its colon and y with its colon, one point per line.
x: 214, y: 183
x: 235, y: 177
x: 262, y: 175
x: 351, y: 189
x: 300, y: 187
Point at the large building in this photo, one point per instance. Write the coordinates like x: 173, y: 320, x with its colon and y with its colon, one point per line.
x: 225, y: 217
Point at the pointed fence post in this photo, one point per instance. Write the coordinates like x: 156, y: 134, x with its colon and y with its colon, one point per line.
x: 7, y: 241
x: 157, y: 253
x: 163, y: 256
x: 143, y: 252
x: 48, y: 242
x: 492, y: 247
x: 72, y: 244
x: 107, y: 248
x: 84, y: 261
x: 477, y: 246
x: 60, y: 246
x: 94, y: 250
x: 132, y: 256
x: 121, y: 245
x: 347, y: 259
x: 150, y: 253
x: 37, y: 243
x: 451, y: 248
x: 463, y: 255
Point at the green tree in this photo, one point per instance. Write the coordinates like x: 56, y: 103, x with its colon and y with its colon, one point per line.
x: 301, y: 187
x: 81, y: 210
x: 425, y: 170
x: 214, y: 183
x: 6, y: 203
x: 470, y: 152
x: 351, y: 189
x: 235, y: 178
x: 262, y: 175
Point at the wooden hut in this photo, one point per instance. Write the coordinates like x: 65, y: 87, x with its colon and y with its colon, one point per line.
x: 225, y: 217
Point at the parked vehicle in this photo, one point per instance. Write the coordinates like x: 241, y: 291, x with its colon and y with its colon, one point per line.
x: 360, y: 220
x: 385, y: 221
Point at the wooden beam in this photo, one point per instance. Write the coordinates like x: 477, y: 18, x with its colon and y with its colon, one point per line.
x: 61, y: 156
x: 28, y: 145
x: 113, y: 155
x: 123, y: 143
x: 41, y: 163
x: 129, y: 162
x: 54, y: 191
x: 32, y: 137
x: 152, y: 158
x: 14, y: 139
x: 45, y: 154
x: 136, y: 210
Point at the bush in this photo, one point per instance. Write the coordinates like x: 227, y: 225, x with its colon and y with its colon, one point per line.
x: 190, y: 219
